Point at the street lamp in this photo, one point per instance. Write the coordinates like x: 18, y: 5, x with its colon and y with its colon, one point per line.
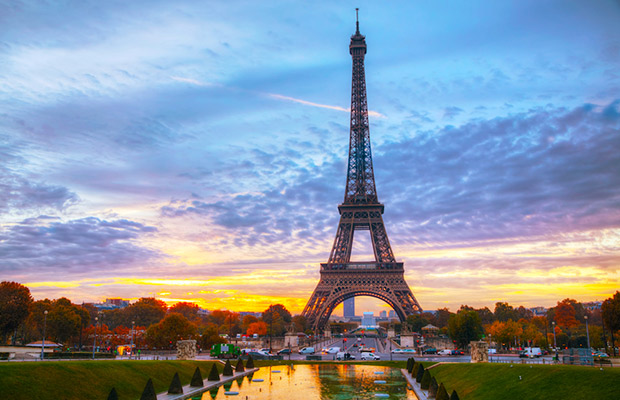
x: 587, y: 332
x: 555, y: 345
x: 95, y: 338
x: 43, y: 341
x: 131, y: 347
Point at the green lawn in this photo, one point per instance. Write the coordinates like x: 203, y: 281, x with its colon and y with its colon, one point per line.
x: 91, y: 379
x: 94, y: 379
x: 500, y: 381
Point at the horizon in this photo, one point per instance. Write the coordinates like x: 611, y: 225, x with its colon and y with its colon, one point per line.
x: 194, y: 152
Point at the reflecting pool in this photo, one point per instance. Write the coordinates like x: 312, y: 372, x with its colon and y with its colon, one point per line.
x: 317, y: 381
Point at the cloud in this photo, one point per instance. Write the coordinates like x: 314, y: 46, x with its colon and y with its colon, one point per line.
x: 48, y: 247
x: 542, y: 171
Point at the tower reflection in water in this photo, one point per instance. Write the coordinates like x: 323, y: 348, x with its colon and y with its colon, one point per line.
x: 318, y: 382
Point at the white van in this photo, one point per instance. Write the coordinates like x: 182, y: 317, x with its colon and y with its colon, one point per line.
x: 333, y: 350
x: 307, y: 350
x: 531, y: 352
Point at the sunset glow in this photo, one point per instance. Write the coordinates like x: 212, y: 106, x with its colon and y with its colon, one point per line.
x: 197, y: 152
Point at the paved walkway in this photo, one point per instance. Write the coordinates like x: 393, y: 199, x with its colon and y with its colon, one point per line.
x: 190, y: 391
x: 415, y: 385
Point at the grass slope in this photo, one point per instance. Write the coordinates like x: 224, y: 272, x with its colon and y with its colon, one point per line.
x: 500, y: 381
x: 91, y: 379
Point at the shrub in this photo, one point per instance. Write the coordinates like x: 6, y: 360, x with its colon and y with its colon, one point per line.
x: 175, y: 386
x: 250, y: 363
x: 426, y: 380
x: 197, y: 379
x: 432, y: 388
x: 149, y: 391
x: 454, y: 396
x: 442, y: 394
x: 228, y: 371
x: 113, y: 395
x: 214, y: 375
x: 4, y: 356
x: 410, y: 363
x: 414, y: 371
x: 420, y: 374
x: 239, y: 367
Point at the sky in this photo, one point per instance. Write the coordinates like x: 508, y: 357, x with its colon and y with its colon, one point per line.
x: 196, y: 151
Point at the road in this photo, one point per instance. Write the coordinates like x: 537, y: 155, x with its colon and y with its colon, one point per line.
x: 352, y: 346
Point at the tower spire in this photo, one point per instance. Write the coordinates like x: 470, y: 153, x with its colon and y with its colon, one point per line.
x: 357, y: 21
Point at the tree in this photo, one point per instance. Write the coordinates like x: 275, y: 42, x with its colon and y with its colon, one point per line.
x: 416, y: 322
x: 146, y: 311
x: 504, y: 311
x: 260, y: 328
x: 300, y: 323
x: 505, y: 332
x: 209, y: 337
x: 172, y: 328
x: 611, y: 316
x: 277, y: 308
x: 465, y: 326
x: 15, y: 302
x: 442, y: 317
x: 277, y: 318
x: 65, y: 320
x: 565, y: 314
x: 188, y: 310
x: 247, y: 321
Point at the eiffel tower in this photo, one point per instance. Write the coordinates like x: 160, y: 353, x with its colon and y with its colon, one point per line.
x: 340, y: 278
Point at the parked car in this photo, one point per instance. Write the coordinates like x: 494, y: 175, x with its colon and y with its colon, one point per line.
x: 369, y: 356
x: 492, y: 351
x: 445, y: 352
x: 344, y: 356
x: 430, y: 350
x: 457, y: 352
x: 284, y: 351
x: 307, y: 350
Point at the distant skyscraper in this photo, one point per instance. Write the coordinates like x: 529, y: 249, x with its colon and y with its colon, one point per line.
x: 392, y: 314
x: 383, y: 314
x: 349, y: 307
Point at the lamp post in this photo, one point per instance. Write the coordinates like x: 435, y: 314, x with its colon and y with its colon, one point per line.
x: 95, y: 338
x: 587, y: 332
x: 43, y: 341
x: 555, y: 346
x: 131, y: 347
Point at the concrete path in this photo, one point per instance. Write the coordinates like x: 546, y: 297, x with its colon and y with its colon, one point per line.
x: 191, y: 391
x: 415, y: 385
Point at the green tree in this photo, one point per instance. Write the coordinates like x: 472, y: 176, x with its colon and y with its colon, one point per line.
x: 15, y: 302
x: 611, y: 316
x: 464, y: 327
x: 416, y: 322
x: 172, y: 328
x: 65, y: 320
x: 209, y: 337
x: 504, y: 311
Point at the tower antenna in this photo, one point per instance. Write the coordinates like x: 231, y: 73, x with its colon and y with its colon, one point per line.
x: 357, y: 21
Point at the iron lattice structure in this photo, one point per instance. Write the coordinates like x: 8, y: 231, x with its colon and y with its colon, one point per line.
x: 340, y: 278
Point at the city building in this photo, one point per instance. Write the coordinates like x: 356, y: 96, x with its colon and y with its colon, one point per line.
x: 383, y: 314
x: 368, y: 320
x: 539, y: 311
x: 111, y: 304
x: 349, y: 307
